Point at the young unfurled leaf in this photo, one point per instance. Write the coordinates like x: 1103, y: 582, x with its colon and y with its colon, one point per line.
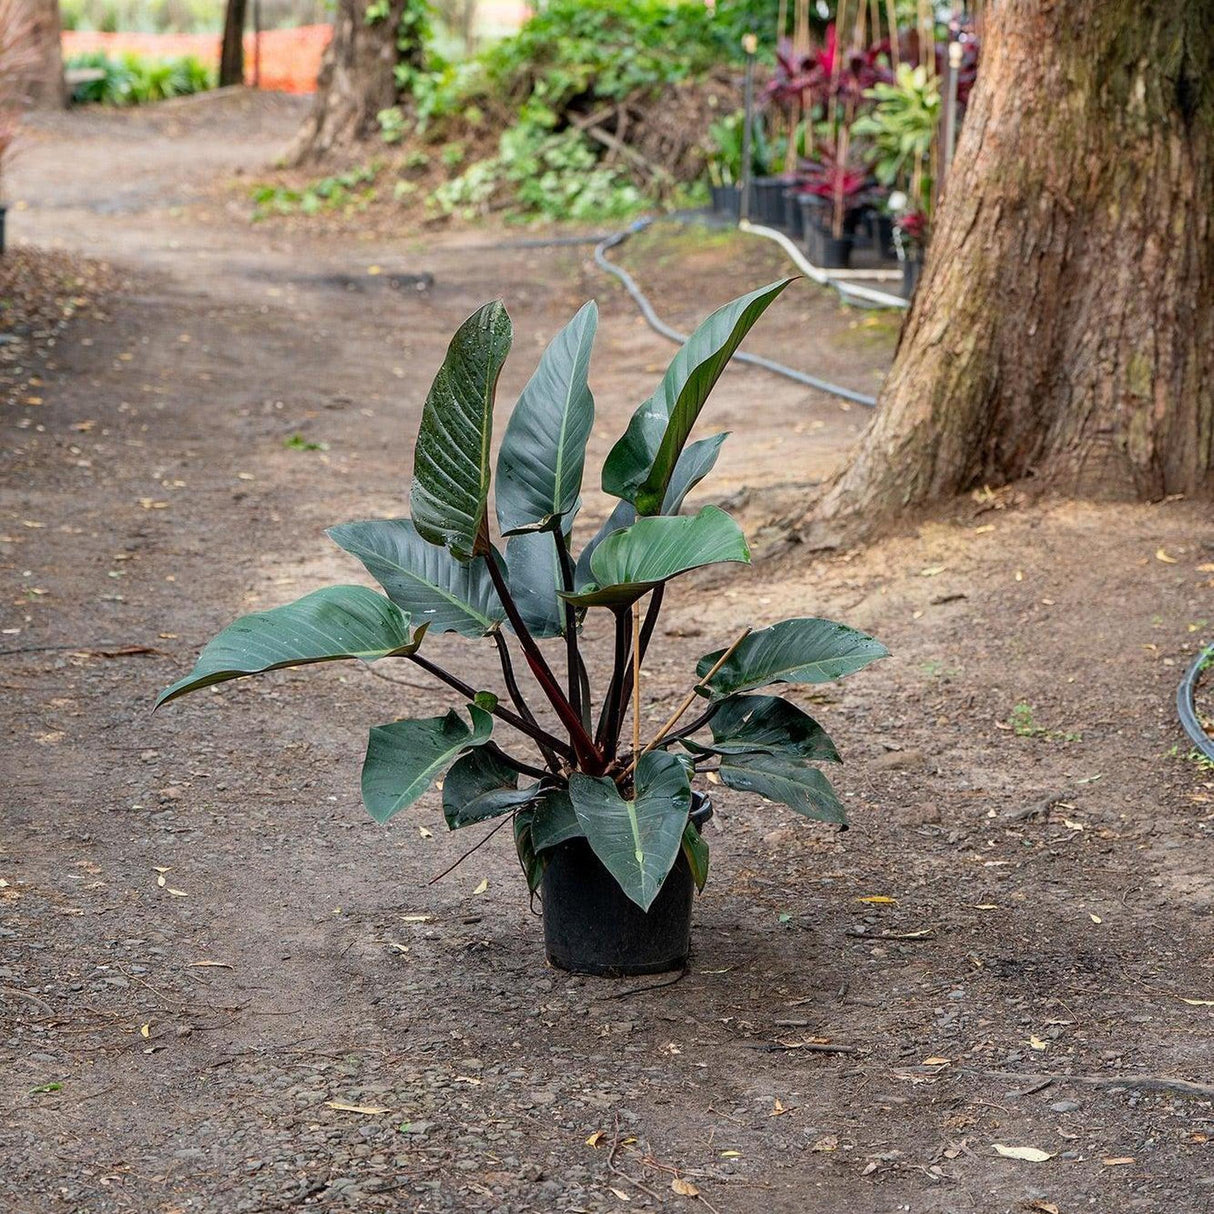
x: 640, y: 466
x: 451, y: 471
x: 324, y: 626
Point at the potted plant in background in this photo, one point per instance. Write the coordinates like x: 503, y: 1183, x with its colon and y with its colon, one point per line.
x: 910, y: 239
x: 19, y: 60
x: 833, y: 197
x: 604, y: 817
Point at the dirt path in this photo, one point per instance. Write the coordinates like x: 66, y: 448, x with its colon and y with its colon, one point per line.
x: 181, y: 1046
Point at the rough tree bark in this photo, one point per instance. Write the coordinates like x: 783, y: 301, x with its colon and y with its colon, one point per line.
x: 1064, y: 327
x: 231, y: 49
x: 357, y: 78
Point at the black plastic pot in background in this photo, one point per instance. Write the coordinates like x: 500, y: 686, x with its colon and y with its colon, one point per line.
x: 3, y: 213
x: 592, y: 927
x: 727, y: 201
x: 824, y: 249
x: 767, y: 201
x: 912, y: 267
x: 881, y: 230
x: 794, y: 217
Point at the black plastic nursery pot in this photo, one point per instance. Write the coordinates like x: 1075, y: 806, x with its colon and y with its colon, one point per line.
x: 794, y: 216
x: 824, y: 249
x: 592, y: 927
x: 727, y: 201
x: 3, y: 213
x: 767, y: 201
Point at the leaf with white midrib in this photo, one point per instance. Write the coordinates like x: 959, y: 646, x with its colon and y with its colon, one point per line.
x: 539, y: 466
x: 427, y: 581
x: 325, y: 626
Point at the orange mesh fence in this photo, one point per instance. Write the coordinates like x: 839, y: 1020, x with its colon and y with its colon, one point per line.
x: 290, y: 58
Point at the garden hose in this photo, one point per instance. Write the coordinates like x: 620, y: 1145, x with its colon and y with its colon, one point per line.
x: 659, y: 326
x: 1186, y: 704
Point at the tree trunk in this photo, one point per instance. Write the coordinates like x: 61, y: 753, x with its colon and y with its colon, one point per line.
x: 231, y: 50
x: 43, y: 87
x: 1064, y: 327
x: 357, y: 79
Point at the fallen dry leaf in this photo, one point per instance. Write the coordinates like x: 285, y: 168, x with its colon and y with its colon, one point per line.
x: 210, y: 965
x: 1117, y: 1161
x: 370, y: 1110
x: 177, y: 893
x: 1161, y: 555
x: 777, y: 1109
x: 878, y: 900
x: 484, y: 885
x: 684, y: 1188
x: 1197, y: 1002
x: 1095, y: 918
x: 1036, y: 1043
x: 934, y: 1061
x: 1029, y: 1154
x: 827, y: 1143
x: 1046, y: 1207
x: 595, y: 1138
x: 145, y: 1030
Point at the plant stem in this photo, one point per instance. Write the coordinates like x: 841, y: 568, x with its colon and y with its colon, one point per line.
x: 698, y: 723
x: 590, y: 758
x: 636, y: 676
x: 536, y: 734
x: 578, y: 682
x: 691, y: 695
x: 524, y: 769
x: 516, y: 695
x: 651, y: 620
x: 509, y: 818
x: 607, y: 735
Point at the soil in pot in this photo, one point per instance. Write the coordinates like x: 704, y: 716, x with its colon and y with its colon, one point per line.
x: 592, y: 927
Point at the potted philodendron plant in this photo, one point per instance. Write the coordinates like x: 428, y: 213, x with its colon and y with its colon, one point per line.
x: 605, y: 819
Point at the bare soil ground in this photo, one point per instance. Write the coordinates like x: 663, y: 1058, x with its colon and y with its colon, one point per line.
x: 1011, y: 946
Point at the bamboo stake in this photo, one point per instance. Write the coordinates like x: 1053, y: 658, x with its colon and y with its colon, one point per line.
x: 686, y: 704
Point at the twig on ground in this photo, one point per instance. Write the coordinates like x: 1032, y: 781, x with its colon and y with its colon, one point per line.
x: 474, y: 847
x: 9, y: 990
x: 615, y: 1146
x: 1142, y: 1083
x: 813, y: 1047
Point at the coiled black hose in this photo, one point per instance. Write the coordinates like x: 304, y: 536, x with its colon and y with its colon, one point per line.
x: 1186, y: 704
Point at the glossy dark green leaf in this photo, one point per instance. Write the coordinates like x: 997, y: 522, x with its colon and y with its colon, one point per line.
x: 786, y: 779
x: 766, y: 723
x: 534, y: 570
x: 630, y: 562
x: 695, y: 848
x: 532, y: 865
x: 640, y: 466
x: 696, y: 462
x: 638, y: 840
x: 324, y: 626
x: 805, y: 650
x: 427, y: 581
x: 480, y: 785
x: 406, y: 757
x: 451, y: 469
x: 554, y: 820
x: 539, y: 466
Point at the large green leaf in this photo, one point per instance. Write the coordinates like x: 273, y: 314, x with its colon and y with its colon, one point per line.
x: 539, y: 466
x: 534, y: 570
x: 630, y: 562
x: 766, y: 723
x: 695, y: 848
x: 428, y: 582
x: 805, y: 650
x: 324, y: 626
x: 637, y: 841
x: 624, y: 515
x: 640, y: 466
x: 404, y: 758
x: 482, y: 785
x: 554, y: 820
x: 451, y: 460
x: 786, y: 779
